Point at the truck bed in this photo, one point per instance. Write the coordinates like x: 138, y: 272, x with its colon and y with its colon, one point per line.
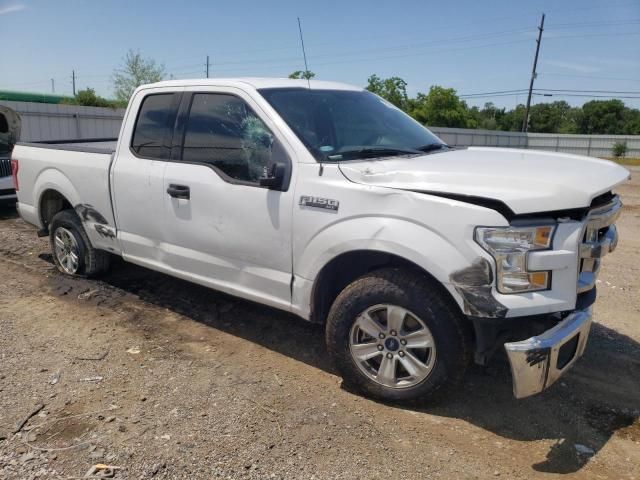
x: 80, y: 168
x: 89, y: 145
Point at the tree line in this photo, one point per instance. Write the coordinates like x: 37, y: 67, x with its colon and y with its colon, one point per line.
x: 439, y: 107
x: 442, y: 107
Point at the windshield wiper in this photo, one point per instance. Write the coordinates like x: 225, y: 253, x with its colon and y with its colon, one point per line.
x: 430, y: 147
x: 372, y: 152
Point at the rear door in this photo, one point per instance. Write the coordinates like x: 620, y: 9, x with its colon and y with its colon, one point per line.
x: 138, y: 174
x: 222, y: 228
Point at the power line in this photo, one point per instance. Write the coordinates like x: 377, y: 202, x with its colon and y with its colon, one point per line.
x: 584, y: 91
x: 569, y: 90
x: 400, y: 47
x: 573, y: 75
x: 589, y: 96
x: 595, y: 24
x: 620, y: 34
x: 513, y: 94
x: 359, y: 58
x: 500, y: 92
x: 609, y: 6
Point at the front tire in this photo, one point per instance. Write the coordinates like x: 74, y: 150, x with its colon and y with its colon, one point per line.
x: 72, y: 251
x: 393, y: 336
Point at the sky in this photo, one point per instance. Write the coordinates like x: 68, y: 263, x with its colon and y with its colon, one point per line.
x: 589, y: 47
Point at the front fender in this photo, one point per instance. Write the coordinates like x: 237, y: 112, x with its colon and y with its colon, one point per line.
x: 401, y: 237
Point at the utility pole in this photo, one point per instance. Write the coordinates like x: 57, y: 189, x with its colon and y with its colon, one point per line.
x: 73, y: 81
x: 53, y: 86
x: 525, y: 120
x: 207, y: 66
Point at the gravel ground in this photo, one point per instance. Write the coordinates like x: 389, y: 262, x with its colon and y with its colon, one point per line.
x: 165, y: 379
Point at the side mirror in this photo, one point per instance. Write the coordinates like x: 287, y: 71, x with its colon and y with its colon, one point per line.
x: 275, y: 177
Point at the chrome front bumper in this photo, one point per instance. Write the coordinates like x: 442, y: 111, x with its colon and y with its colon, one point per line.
x: 539, y: 361
x: 600, y: 238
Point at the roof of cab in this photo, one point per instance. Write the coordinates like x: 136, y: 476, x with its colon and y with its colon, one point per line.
x: 256, y: 83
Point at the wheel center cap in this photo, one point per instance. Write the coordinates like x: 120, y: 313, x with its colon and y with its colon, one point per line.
x: 392, y: 344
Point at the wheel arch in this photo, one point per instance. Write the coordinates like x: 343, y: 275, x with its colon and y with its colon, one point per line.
x: 51, y: 202
x: 387, y: 241
x: 348, y: 266
x: 54, y: 192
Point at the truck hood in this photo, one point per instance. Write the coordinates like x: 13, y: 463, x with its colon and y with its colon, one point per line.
x: 527, y: 181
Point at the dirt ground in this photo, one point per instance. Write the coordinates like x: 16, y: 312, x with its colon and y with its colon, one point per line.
x: 170, y: 380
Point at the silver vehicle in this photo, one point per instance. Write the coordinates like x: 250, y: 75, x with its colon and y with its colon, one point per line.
x: 9, y: 135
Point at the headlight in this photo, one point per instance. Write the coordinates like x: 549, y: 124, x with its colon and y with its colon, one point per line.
x: 509, y: 246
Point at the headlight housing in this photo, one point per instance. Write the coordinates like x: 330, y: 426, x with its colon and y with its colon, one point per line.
x: 509, y: 246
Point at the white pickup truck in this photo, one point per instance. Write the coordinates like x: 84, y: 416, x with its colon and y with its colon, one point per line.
x: 324, y: 200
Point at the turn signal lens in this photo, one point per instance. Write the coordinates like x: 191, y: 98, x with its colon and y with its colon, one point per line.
x: 539, y: 280
x: 543, y: 236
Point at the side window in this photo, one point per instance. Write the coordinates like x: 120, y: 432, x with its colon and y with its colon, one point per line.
x: 223, y: 131
x: 154, y: 126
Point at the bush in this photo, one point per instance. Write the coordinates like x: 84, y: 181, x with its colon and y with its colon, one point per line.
x: 619, y: 149
x: 88, y: 98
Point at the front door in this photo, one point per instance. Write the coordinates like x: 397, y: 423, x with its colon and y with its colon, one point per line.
x: 222, y: 228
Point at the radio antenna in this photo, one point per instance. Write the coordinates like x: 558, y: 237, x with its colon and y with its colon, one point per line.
x: 304, y: 55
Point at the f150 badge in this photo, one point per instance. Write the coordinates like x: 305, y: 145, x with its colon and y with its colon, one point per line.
x: 317, y: 202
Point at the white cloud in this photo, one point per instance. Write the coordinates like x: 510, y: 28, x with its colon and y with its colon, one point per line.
x: 12, y: 8
x: 615, y: 62
x: 575, y: 67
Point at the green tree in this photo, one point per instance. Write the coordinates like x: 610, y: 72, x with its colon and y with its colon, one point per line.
x: 602, y: 116
x: 393, y: 90
x: 441, y: 107
x: 136, y: 71
x: 552, y: 117
x: 489, y: 117
x: 631, y: 120
x: 511, y: 121
x: 305, y: 74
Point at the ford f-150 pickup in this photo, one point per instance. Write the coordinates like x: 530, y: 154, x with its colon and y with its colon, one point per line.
x: 324, y: 200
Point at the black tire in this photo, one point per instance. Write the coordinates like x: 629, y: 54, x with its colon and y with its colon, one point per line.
x: 416, y: 293
x: 91, y: 262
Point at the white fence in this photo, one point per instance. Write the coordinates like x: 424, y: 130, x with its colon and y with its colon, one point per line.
x: 591, y: 145
x: 43, y: 121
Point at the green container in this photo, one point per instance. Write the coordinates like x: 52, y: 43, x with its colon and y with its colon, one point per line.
x: 31, y: 97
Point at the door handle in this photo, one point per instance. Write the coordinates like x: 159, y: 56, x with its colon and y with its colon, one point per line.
x: 179, y: 191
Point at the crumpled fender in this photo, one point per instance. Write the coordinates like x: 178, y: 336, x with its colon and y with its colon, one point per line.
x: 411, y: 240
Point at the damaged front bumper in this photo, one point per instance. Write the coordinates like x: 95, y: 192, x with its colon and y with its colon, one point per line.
x: 539, y: 361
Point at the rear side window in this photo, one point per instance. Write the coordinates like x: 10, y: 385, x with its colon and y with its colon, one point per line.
x: 224, y: 132
x: 154, y: 127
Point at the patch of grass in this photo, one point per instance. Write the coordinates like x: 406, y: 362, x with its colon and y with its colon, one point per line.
x: 626, y: 161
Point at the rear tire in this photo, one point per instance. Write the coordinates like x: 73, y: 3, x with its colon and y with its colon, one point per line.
x: 417, y: 345
x: 72, y: 251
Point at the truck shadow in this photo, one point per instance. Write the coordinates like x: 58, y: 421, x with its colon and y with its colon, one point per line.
x: 600, y: 397
x: 8, y: 210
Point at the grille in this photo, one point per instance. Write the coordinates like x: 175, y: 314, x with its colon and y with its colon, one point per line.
x: 5, y: 167
x: 600, y: 237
